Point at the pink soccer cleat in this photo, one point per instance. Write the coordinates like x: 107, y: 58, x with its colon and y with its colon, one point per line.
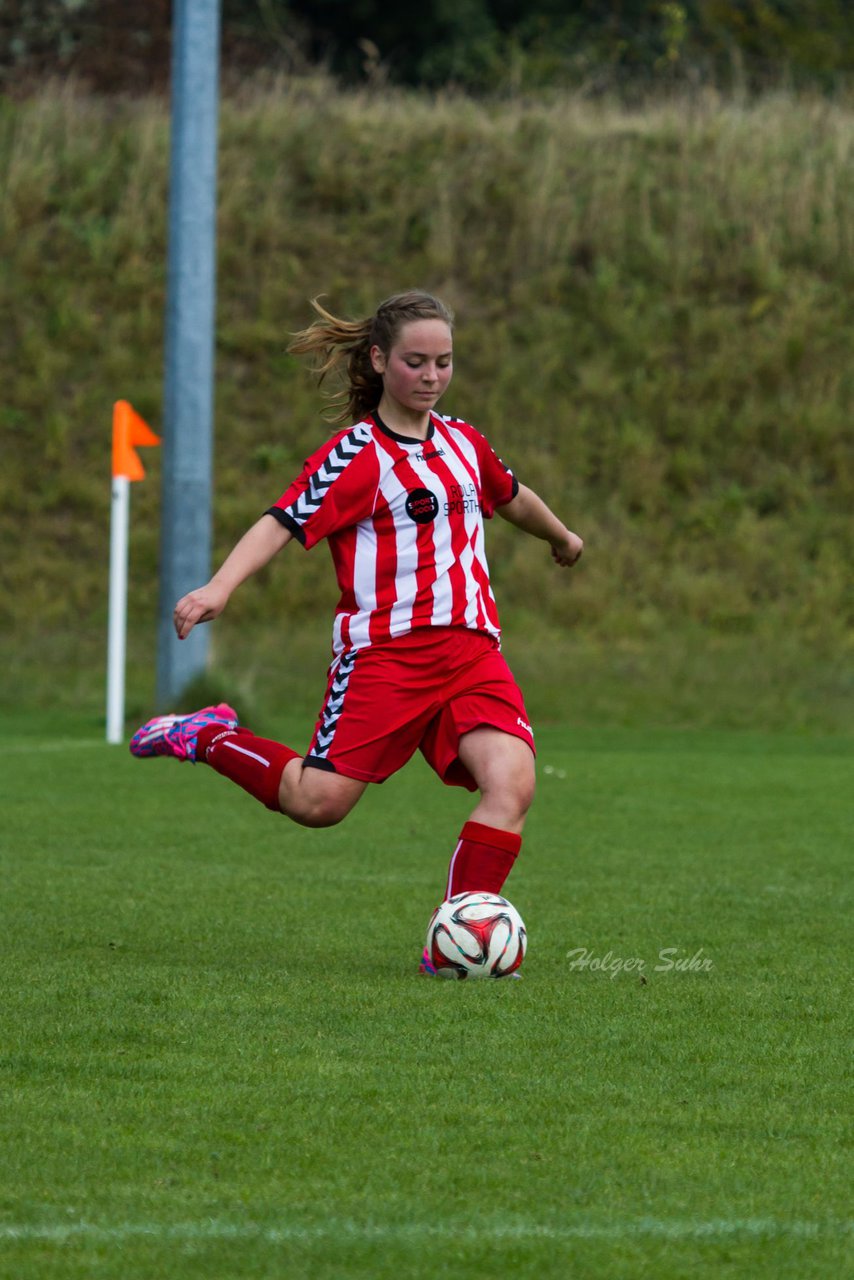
x: 177, y: 735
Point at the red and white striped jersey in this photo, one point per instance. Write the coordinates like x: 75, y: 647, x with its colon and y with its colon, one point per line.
x: 404, y: 522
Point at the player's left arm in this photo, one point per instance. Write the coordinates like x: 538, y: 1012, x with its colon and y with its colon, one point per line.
x: 528, y: 512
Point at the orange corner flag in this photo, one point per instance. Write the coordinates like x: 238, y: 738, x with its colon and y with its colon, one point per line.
x: 129, y: 431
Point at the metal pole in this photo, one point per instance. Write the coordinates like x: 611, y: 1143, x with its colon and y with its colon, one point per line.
x: 117, y: 631
x: 189, y: 356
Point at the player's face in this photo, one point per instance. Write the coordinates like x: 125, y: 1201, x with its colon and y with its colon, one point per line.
x: 419, y: 366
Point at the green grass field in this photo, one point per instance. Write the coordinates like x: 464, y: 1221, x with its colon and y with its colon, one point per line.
x: 218, y: 1059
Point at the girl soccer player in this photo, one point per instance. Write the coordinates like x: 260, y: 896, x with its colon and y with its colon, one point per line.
x: 400, y: 497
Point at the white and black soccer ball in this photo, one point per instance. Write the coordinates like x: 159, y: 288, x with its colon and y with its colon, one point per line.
x: 476, y: 935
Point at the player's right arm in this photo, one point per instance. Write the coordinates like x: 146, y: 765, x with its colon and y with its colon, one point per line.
x: 255, y: 549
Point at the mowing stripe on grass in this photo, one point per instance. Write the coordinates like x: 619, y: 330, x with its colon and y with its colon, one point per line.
x: 334, y: 1229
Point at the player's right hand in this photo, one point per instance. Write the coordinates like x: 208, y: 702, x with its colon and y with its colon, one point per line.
x: 202, y: 605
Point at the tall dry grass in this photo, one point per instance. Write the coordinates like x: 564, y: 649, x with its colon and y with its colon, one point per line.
x: 655, y: 328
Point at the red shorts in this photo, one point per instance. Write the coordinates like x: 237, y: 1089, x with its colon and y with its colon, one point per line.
x: 424, y: 689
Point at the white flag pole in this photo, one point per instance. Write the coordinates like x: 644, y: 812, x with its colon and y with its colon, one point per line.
x: 117, y: 632
x: 129, y: 431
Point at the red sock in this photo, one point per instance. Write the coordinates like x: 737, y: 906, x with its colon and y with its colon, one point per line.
x: 482, y: 860
x: 255, y: 764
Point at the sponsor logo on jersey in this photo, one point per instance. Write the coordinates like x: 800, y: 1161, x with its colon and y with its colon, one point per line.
x: 422, y: 506
x: 424, y: 455
x: 462, y: 499
x: 524, y: 726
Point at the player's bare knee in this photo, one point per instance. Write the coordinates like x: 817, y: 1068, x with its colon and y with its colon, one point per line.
x: 525, y: 794
x: 319, y: 816
x: 315, y: 799
x: 511, y: 792
x: 520, y: 781
x: 314, y: 810
x: 521, y: 796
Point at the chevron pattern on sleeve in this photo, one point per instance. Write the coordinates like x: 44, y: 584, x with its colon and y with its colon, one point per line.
x: 334, y: 465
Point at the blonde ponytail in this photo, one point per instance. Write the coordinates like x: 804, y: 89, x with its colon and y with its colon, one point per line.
x: 345, y: 346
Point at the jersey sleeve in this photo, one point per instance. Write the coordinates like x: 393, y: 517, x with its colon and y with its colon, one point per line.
x: 332, y: 492
x: 498, y: 483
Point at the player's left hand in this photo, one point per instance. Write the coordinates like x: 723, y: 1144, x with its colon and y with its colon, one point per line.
x: 568, y: 550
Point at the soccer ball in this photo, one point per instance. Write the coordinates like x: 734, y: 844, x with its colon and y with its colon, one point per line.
x: 476, y: 935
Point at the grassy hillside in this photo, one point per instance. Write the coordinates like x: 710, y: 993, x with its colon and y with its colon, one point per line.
x: 655, y: 329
